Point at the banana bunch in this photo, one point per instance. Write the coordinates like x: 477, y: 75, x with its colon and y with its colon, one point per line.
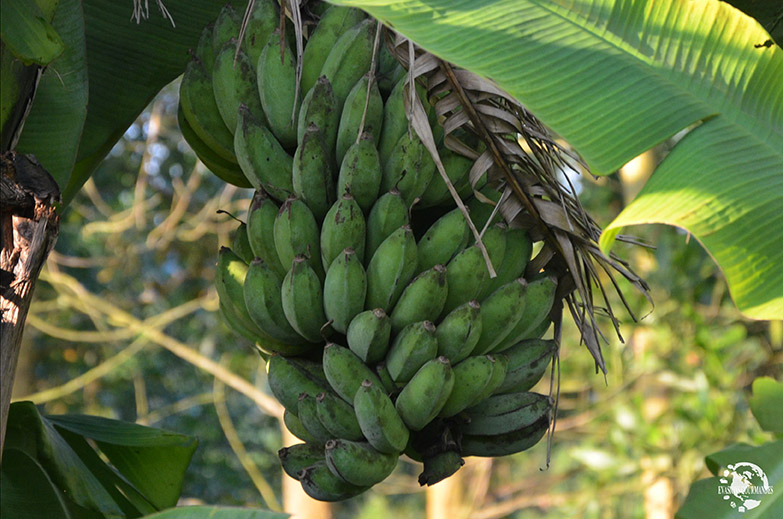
x: 353, y: 274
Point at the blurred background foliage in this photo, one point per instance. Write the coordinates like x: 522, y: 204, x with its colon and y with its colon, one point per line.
x: 124, y: 325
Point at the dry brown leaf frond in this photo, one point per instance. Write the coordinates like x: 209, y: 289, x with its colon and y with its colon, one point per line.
x: 523, y: 161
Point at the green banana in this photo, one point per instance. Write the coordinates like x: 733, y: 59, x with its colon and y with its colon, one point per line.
x: 457, y: 170
x: 501, y: 414
x: 354, y: 112
x: 233, y: 83
x: 527, y: 362
x: 443, y: 240
x: 302, y: 298
x: 338, y: 417
x: 422, y: 298
x: 504, y: 444
x: 263, y: 20
x: 226, y: 170
x: 425, y: 394
x: 410, y: 168
x: 343, y: 227
x: 498, y: 376
x: 388, y: 214
x: 500, y: 312
x: 368, y: 335
x: 332, y: 25
x: 295, y: 427
x: 480, y: 211
x: 349, y: 58
x: 263, y: 160
x: 317, y: 9
x: 360, y: 173
x: 276, y: 77
x: 345, y: 289
x: 494, y: 240
x: 378, y: 419
x: 226, y: 27
x: 465, y: 274
x: 289, y: 377
x: 389, y: 71
x: 308, y: 416
x: 410, y: 350
x: 440, y: 466
x: 474, y: 378
x: 515, y: 258
x: 260, y: 231
x: 312, y: 173
x: 412, y: 452
x: 390, y: 269
x: 201, y: 111
x: 358, y: 463
x: 319, y: 483
x: 539, y: 300
x: 466, y: 190
x: 264, y: 302
x: 234, y: 322
x: 299, y: 456
x: 204, y: 51
x: 268, y: 346
x: 265, y: 346
x: 319, y: 107
x: 345, y: 371
x: 241, y: 245
x: 395, y: 119
x: 229, y: 280
x: 459, y: 332
x: 539, y: 331
x: 296, y: 233
x: 388, y: 384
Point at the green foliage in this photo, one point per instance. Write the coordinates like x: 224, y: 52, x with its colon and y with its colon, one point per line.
x: 138, y: 452
x: 28, y: 32
x: 53, y: 128
x: 111, y: 69
x: 129, y: 238
x: 143, y: 237
x: 615, y: 80
x: 704, y: 499
x: 767, y: 403
x: 24, y: 482
x: 147, y: 474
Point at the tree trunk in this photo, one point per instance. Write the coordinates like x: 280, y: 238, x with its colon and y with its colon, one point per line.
x: 445, y: 498
x: 29, y: 226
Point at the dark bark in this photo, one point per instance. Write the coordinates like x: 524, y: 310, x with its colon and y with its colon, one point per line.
x: 29, y: 225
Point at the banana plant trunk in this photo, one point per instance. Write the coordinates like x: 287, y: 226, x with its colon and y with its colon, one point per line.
x: 29, y: 225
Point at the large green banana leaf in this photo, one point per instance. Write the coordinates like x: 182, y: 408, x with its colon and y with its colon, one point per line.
x: 110, y: 70
x: 616, y: 77
x: 71, y: 477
